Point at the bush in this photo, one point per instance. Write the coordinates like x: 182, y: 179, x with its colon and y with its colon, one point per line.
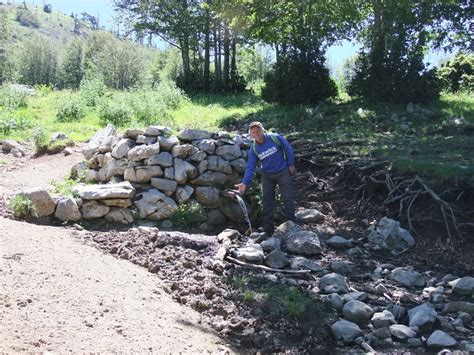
x: 118, y: 113
x: 10, y: 122
x: 12, y: 98
x: 294, y: 81
x: 27, y: 18
x: 91, y: 90
x: 458, y: 74
x: 188, y: 215
x: 70, y: 110
x: 21, y: 206
x: 40, y: 140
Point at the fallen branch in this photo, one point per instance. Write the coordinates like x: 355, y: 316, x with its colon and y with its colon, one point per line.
x: 266, y: 268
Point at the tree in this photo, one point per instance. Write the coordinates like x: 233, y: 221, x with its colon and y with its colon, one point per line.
x: 72, y: 69
x: 38, y: 61
x: 458, y: 74
x: 6, y: 65
x: 396, y: 37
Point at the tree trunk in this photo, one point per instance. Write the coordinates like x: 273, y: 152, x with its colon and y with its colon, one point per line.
x: 233, y: 63
x: 217, y: 52
x: 226, y: 55
x: 184, y: 42
x: 207, y: 48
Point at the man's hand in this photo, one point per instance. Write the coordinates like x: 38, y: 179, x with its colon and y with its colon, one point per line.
x: 292, y: 169
x: 241, y: 187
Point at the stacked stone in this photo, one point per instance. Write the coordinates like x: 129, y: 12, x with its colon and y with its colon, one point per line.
x: 170, y: 170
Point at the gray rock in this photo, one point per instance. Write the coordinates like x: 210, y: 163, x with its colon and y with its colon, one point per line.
x: 252, y: 253
x: 92, y: 209
x: 401, y: 331
x: 333, y: 283
x: 9, y: 144
x: 111, y: 167
x: 122, y: 147
x: 142, y: 140
x: 155, y: 131
x: 198, y: 157
x: 342, y: 267
x: 119, y: 215
x: 381, y: 333
x: 238, y: 165
x: 169, y: 173
x: 357, y: 312
x: 133, y: 133
x: 150, y: 140
x: 303, y: 243
x: 215, y: 217
x: 58, y: 136
x: 142, y: 174
x: 229, y: 152
x: 277, y: 259
x: 422, y: 316
x: 355, y: 295
x: 459, y: 306
x: 398, y: 311
x: 383, y: 319
x: 440, y: 339
x: 181, y: 151
x: 41, y: 202
x: 202, y: 167
x: 184, y: 193
x: 190, y: 135
x: 301, y: 263
x: 387, y: 235
x: 16, y: 153
x: 407, y: 277
x: 445, y: 324
x: 117, y: 202
x: 463, y: 286
x: 166, y: 143
x: 109, y: 191
x: 163, y: 159
x: 346, y: 331
x: 68, y: 151
x: 164, y: 184
x: 310, y: 216
x: 143, y: 152
x: 67, y: 210
x: 271, y: 244
x: 228, y: 233
x: 336, y: 301
x: 207, y: 195
x: 93, y: 145
x: 155, y: 205
x: 184, y: 171
x: 211, y: 178
x: 338, y: 242
x: 216, y: 163
x: 207, y: 145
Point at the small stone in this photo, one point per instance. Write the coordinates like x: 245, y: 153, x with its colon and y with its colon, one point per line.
x: 440, y: 339
x: 345, y: 330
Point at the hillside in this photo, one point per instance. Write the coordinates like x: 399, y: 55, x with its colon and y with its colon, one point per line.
x: 56, y: 25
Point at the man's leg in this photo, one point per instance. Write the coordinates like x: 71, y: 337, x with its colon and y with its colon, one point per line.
x: 285, y: 182
x: 268, y: 203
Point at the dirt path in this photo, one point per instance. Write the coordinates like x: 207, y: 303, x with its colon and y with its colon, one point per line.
x: 58, y: 294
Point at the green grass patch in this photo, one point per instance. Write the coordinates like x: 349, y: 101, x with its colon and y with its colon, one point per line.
x: 21, y: 206
x: 64, y: 188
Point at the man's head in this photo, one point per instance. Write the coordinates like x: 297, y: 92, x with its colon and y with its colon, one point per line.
x: 257, y: 131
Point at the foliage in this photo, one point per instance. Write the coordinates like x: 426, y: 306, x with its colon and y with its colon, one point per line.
x: 40, y: 140
x: 6, y: 63
x: 295, y: 81
x: 64, y: 188
x: 11, y: 122
x: 188, y: 215
x: 27, y: 18
x: 92, y: 90
x: 69, y: 110
x: 284, y: 301
x: 165, y: 65
x: 72, y: 70
x: 21, y: 206
x: 43, y: 89
x: 119, y: 113
x: 38, y: 61
x: 12, y: 98
x: 458, y: 74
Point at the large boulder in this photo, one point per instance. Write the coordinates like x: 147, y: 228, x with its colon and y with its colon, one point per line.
x: 422, y: 316
x: 333, y: 283
x: 155, y: 205
x: 189, y: 135
x: 109, y: 191
x: 67, y: 210
x: 207, y: 196
x: 303, y: 243
x: 346, y: 331
x: 8, y: 145
x: 387, y: 235
x: 41, y: 202
x: 357, y: 312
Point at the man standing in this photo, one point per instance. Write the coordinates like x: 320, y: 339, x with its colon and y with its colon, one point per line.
x: 278, y: 164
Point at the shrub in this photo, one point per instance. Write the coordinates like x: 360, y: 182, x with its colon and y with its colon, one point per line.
x: 91, y: 90
x: 294, y: 81
x: 10, y: 122
x: 70, y: 110
x: 27, y: 18
x: 118, y: 113
x: 43, y: 89
x: 458, y: 74
x: 40, y: 140
x: 12, y: 98
x: 170, y: 94
x: 188, y: 215
x: 21, y: 206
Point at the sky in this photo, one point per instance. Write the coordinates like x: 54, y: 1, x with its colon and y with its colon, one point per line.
x: 104, y: 8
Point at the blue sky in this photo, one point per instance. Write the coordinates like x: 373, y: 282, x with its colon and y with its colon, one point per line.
x: 335, y: 55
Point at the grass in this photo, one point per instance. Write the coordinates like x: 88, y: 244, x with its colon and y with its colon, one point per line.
x: 425, y: 142
x: 21, y: 206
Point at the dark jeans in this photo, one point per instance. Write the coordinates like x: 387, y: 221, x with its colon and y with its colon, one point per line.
x: 284, y: 181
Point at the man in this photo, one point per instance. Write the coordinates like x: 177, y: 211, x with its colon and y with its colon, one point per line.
x: 278, y: 161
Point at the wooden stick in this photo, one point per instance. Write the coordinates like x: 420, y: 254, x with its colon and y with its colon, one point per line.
x: 266, y: 268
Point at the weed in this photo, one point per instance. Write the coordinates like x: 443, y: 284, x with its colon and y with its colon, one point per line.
x: 188, y: 215
x: 70, y: 110
x: 288, y: 302
x: 21, y: 206
x: 64, y: 188
x: 118, y: 113
x: 249, y: 296
x: 12, y: 98
x: 239, y: 282
x: 91, y: 91
x: 40, y: 140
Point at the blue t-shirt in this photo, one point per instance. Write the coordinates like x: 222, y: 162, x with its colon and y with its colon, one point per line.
x: 271, y: 156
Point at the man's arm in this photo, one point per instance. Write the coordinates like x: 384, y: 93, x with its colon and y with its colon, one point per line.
x: 290, y: 156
